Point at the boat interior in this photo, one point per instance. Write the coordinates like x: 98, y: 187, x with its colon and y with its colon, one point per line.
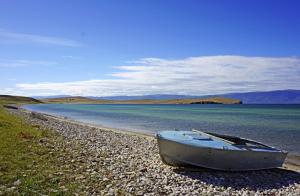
x: 213, y: 140
x: 238, y: 142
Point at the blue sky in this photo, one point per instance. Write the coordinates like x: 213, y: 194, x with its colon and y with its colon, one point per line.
x: 148, y: 47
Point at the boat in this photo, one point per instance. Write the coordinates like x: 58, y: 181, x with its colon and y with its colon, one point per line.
x: 216, y: 151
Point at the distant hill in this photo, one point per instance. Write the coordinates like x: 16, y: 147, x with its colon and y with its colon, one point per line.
x: 139, y: 97
x: 9, y: 99
x: 269, y: 97
x: 75, y: 99
x: 211, y: 100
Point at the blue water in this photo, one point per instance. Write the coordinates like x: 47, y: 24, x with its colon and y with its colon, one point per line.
x: 275, y: 125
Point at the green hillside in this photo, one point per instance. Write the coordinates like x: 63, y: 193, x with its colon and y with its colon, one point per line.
x: 9, y: 99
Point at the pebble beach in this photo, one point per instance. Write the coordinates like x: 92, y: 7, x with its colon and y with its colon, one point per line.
x: 114, y: 162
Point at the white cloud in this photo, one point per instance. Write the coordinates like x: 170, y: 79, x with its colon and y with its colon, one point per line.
x: 23, y: 63
x: 7, y: 36
x: 195, y: 76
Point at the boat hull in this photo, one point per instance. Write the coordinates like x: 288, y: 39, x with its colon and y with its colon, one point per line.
x: 179, y: 154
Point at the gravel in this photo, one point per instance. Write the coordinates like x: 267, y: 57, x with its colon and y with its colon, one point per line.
x: 126, y: 163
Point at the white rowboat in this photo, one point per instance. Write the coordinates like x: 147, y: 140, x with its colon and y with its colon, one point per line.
x: 214, y: 151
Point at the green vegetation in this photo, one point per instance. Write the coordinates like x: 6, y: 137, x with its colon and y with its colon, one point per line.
x: 8, y: 99
x: 212, y: 100
x: 27, y: 165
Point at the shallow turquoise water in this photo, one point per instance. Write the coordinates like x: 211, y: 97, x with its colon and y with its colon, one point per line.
x: 276, y: 125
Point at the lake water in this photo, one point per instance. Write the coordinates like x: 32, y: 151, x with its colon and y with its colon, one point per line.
x: 275, y: 125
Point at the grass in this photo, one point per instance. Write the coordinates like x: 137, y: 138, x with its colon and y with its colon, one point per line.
x: 8, y: 99
x: 24, y: 159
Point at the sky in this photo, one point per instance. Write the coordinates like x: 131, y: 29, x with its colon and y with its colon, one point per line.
x: 133, y: 47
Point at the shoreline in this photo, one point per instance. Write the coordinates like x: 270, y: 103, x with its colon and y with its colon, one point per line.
x: 130, y: 162
x: 292, y: 161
